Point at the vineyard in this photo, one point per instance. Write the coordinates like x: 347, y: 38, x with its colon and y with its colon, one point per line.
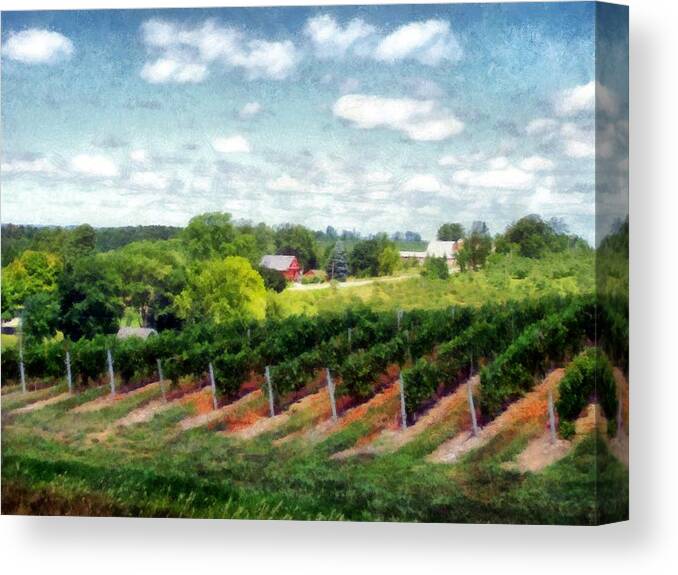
x: 506, y: 412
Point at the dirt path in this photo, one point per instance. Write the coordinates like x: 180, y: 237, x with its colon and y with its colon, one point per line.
x: 312, y: 403
x: 18, y: 399
x: 349, y: 284
x: 619, y: 445
x: 108, y: 400
x: 392, y: 439
x: 43, y: 403
x: 221, y: 414
x: 541, y: 453
x: 533, y: 406
x: 147, y: 412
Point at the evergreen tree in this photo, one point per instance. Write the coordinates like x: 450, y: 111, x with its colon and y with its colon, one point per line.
x: 337, y: 263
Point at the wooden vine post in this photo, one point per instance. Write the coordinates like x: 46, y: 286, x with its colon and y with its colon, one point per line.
x: 22, y: 372
x: 399, y: 318
x: 330, y: 391
x: 269, y: 386
x: 213, y: 385
x: 161, y: 379
x: 403, y: 412
x: 552, y: 419
x: 111, y: 373
x: 69, y: 378
x: 471, y: 405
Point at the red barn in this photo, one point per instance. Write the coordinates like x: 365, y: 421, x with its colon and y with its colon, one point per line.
x: 288, y: 266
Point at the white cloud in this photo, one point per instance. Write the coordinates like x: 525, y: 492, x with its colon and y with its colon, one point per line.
x: 284, y: 183
x: 94, y: 165
x: 235, y: 144
x: 541, y: 126
x: 606, y: 100
x: 547, y: 202
x: 149, y: 180
x: 165, y: 70
x: 584, y: 98
x: 34, y: 166
x: 378, y: 177
x: 576, y: 100
x: 508, y: 177
x: 449, y: 160
x: 201, y: 183
x: 139, y: 156
x: 250, y: 110
x: 536, y: 164
x: 330, y: 39
x: 37, y: 46
x: 577, y: 141
x: 580, y: 149
x: 418, y: 119
x: 184, y: 52
x: 498, y: 163
x: 262, y: 59
x: 423, y: 183
x: 428, y: 42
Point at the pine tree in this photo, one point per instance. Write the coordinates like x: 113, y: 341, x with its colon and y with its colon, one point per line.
x: 337, y: 264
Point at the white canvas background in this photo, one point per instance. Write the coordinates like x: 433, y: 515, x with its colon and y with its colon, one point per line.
x: 646, y: 544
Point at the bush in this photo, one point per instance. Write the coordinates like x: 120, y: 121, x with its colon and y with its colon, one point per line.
x: 566, y: 429
x: 541, y: 345
x: 589, y: 376
x: 435, y: 268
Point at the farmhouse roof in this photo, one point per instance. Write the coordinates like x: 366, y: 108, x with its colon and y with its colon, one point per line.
x: 278, y: 263
x: 440, y: 249
x: 142, y: 332
x: 15, y: 322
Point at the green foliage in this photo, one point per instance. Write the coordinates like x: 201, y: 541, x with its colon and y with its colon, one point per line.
x: 450, y: 232
x: 89, y: 300
x: 566, y: 429
x: 32, y: 273
x: 88, y: 358
x: 209, y: 236
x: 374, y: 257
x: 223, y: 291
x: 80, y: 243
x: 151, y: 275
x: 273, y: 279
x: 108, y: 239
x: 541, y: 345
x: 532, y: 237
x: 435, y: 268
x: 296, y: 240
x: 491, y: 330
x: 318, y: 277
x: 589, y: 376
x: 477, y: 246
x: 40, y: 317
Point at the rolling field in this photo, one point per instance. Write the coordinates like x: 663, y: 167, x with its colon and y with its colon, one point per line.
x: 142, y: 454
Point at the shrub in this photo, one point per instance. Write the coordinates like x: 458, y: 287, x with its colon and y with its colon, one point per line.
x: 589, y: 376
x: 546, y: 342
x: 566, y: 429
x: 435, y: 268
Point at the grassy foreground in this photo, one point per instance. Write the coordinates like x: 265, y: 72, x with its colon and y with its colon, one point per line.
x: 50, y: 466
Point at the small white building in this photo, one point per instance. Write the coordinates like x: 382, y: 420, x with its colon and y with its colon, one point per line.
x: 142, y: 332
x: 437, y: 249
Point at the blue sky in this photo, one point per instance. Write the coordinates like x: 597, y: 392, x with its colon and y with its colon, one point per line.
x: 370, y: 118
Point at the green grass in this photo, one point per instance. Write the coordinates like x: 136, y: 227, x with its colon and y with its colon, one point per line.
x: 503, y: 278
x: 153, y: 470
